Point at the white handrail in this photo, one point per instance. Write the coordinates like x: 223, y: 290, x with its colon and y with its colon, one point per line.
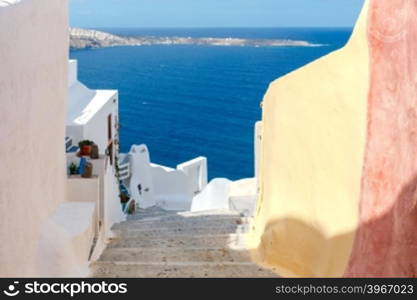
x: 196, y: 171
x: 124, y: 171
x: 68, y: 143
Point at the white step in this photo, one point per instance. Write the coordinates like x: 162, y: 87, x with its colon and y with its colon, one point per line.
x: 163, y: 214
x: 209, y: 241
x: 156, y: 243
x: 163, y: 232
x: 174, y: 255
x: 179, y: 221
x: 181, y: 270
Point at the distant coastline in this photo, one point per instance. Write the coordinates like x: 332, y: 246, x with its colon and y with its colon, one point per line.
x: 90, y: 39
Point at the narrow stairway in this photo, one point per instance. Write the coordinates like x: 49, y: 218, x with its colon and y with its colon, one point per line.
x: 156, y: 243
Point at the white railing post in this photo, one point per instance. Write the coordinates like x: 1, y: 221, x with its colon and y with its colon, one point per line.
x: 196, y: 171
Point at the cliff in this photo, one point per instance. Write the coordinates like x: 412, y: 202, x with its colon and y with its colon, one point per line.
x: 83, y: 38
x: 87, y: 38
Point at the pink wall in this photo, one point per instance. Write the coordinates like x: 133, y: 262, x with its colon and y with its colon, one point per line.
x: 386, y: 241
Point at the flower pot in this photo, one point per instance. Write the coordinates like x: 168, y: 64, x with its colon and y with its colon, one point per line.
x: 131, y: 207
x: 124, y: 198
x: 73, y: 172
x: 94, y: 152
x: 88, y: 170
x: 86, y: 150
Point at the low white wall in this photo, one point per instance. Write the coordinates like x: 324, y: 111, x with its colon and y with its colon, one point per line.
x: 243, y: 195
x: 214, y: 196
x: 111, y: 202
x: 33, y: 92
x: 85, y: 190
x: 102, y: 187
x: 103, y: 190
x: 196, y: 171
x: 172, y: 190
x: 72, y: 72
x: 141, y: 175
x: 65, y: 241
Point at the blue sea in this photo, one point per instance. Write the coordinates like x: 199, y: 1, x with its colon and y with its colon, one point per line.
x: 185, y: 101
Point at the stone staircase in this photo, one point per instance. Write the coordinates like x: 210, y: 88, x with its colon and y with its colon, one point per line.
x: 156, y: 243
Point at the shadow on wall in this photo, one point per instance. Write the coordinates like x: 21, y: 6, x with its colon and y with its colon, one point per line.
x: 303, y: 242
x: 398, y: 244
x: 387, y: 245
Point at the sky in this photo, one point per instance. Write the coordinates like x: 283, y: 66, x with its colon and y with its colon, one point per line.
x: 214, y: 13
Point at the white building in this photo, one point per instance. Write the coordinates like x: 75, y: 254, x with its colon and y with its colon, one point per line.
x: 91, y: 114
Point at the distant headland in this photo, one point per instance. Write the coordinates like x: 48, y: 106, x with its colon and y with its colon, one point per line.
x: 87, y: 38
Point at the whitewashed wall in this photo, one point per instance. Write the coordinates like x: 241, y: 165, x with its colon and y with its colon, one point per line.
x: 72, y: 72
x: 33, y: 91
x: 96, y: 128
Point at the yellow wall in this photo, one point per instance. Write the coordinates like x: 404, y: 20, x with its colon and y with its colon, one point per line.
x: 313, y: 140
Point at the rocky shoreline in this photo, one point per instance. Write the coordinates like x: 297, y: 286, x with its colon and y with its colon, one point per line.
x: 87, y: 39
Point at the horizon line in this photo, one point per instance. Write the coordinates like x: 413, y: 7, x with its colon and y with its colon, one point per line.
x: 215, y: 27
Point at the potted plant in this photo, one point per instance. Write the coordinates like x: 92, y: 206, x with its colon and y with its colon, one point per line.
x: 85, y: 147
x: 94, y: 152
x: 131, y: 207
x: 73, y: 170
x: 124, y: 197
x: 88, y: 170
